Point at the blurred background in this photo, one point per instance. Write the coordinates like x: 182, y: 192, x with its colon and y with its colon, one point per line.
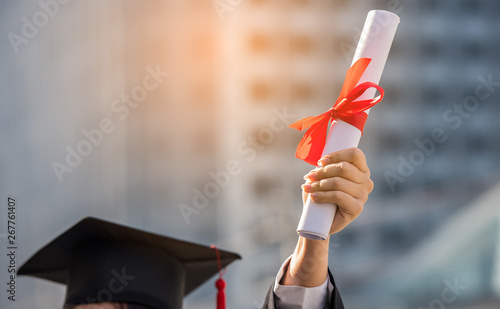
x: 184, y: 90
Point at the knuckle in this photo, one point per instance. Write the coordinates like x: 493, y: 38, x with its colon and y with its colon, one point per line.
x: 336, y: 196
x: 328, y: 169
x: 320, y: 172
x: 335, y: 182
x: 359, y: 208
x: 357, y: 154
x: 323, y: 183
x: 316, y: 185
x: 319, y: 197
x: 340, y: 169
x: 334, y: 157
x: 365, y: 178
x: 364, y: 197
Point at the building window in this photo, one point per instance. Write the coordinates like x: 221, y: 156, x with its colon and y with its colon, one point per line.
x: 431, y: 49
x: 259, y: 43
x: 260, y: 91
x: 472, y: 50
x: 430, y: 5
x: 302, y: 92
x: 301, y: 45
x: 432, y: 96
x: 471, y: 6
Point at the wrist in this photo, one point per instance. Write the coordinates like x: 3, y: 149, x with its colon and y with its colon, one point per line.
x: 311, y: 251
x: 309, y: 263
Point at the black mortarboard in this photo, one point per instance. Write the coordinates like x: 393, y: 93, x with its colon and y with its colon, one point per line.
x: 100, y: 261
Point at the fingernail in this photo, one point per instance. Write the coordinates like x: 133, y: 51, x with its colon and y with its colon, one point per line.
x: 314, y: 196
x: 311, y: 175
x: 323, y: 161
x: 306, y: 187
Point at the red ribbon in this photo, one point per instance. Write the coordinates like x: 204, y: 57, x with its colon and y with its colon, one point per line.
x: 345, y: 108
x: 220, y: 284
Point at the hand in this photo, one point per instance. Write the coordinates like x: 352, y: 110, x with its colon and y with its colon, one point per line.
x: 342, y: 178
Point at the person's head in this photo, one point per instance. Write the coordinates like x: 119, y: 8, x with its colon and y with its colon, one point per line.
x: 98, y: 306
x: 106, y: 305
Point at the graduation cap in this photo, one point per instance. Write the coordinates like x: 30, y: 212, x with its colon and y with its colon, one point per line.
x: 100, y: 261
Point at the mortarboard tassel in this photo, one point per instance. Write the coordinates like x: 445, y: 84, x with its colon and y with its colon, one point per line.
x: 221, y: 295
x: 220, y: 284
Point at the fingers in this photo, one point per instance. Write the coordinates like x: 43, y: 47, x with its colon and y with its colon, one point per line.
x: 356, y: 190
x: 350, y: 206
x: 343, y: 169
x: 352, y: 155
x: 341, y: 178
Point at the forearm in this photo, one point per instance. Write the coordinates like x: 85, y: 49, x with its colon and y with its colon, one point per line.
x: 309, y: 264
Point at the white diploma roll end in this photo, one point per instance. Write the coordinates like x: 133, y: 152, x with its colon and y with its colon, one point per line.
x: 322, y: 215
x: 375, y: 42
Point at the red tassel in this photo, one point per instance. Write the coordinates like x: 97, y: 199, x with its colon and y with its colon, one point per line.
x: 221, y: 295
x: 220, y: 284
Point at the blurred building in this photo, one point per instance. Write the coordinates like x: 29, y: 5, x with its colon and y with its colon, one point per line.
x: 450, y: 54
x: 215, y: 126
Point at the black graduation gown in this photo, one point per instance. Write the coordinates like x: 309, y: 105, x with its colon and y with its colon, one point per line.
x: 336, y: 301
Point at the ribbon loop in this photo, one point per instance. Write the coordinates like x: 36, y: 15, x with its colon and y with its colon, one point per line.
x: 345, y: 108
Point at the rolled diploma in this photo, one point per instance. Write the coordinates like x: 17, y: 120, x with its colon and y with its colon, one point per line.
x: 375, y: 43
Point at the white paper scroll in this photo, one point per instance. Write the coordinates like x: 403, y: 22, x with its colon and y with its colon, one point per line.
x: 375, y: 43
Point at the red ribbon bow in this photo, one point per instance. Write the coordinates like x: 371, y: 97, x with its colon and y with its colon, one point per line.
x: 345, y: 108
